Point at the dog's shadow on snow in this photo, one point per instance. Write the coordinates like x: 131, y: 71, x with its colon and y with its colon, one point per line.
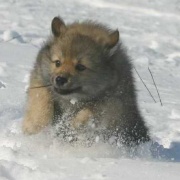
x: 166, y: 154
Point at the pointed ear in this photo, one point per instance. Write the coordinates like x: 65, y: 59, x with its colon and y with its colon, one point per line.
x: 113, y: 39
x: 58, y: 26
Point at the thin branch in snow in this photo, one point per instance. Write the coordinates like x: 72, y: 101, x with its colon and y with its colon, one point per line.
x: 155, y: 86
x: 144, y: 84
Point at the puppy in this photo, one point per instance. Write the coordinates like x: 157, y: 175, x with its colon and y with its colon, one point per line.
x: 86, y: 62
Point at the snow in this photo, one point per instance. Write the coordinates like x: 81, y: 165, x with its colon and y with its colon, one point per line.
x: 73, y: 101
x: 150, y: 30
x: 10, y: 35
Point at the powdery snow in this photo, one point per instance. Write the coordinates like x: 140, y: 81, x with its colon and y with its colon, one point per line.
x: 150, y: 30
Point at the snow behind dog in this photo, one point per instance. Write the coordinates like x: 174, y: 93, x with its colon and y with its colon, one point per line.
x: 150, y: 30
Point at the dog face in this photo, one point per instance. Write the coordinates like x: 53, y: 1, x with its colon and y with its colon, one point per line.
x: 80, y: 63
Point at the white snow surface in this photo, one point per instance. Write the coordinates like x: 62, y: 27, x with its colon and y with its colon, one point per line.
x: 150, y: 31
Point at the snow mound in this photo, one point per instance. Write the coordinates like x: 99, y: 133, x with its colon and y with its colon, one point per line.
x: 9, y: 35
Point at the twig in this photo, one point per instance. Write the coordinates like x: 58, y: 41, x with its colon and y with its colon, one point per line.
x: 155, y: 86
x: 40, y: 86
x: 145, y: 85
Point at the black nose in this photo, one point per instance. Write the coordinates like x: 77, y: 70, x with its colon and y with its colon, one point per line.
x: 60, y: 81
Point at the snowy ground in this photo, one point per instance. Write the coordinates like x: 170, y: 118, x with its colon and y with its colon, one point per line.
x: 150, y: 30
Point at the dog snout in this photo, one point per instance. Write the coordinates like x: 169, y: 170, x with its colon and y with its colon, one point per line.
x: 61, y: 80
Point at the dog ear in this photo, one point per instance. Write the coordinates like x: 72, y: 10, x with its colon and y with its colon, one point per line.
x: 113, y: 39
x: 58, y: 26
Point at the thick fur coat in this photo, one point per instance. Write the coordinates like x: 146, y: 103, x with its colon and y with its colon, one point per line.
x: 86, y: 62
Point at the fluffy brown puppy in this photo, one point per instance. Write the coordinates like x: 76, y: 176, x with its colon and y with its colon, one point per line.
x: 85, y: 61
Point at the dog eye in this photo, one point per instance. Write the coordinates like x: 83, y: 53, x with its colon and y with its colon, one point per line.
x: 80, y: 67
x: 58, y: 63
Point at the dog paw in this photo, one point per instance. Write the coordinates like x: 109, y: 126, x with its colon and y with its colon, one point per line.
x: 82, y: 118
x: 30, y: 128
